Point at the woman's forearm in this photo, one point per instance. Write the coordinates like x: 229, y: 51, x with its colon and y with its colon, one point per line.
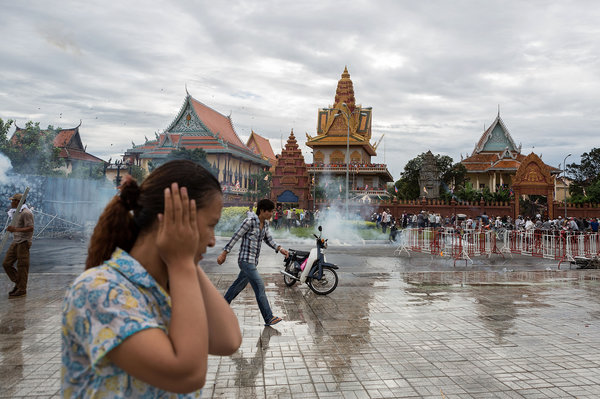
x: 188, y: 329
x: 224, y: 336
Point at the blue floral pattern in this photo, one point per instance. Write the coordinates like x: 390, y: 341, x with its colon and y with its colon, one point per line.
x: 104, y: 306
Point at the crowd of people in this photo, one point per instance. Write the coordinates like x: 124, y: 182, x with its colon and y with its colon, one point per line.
x: 385, y: 220
x: 287, y: 218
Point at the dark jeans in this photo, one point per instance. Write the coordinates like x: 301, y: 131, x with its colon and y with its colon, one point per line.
x: 248, y: 273
x: 17, y: 252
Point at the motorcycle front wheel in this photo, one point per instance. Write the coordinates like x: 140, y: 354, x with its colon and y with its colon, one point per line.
x: 326, y: 284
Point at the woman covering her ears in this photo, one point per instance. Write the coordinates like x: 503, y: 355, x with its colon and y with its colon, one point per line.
x: 141, y: 320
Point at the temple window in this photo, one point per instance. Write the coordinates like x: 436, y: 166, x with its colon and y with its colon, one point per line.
x: 337, y: 157
x: 318, y: 157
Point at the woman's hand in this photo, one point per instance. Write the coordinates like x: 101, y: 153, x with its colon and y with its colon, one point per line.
x: 177, y: 238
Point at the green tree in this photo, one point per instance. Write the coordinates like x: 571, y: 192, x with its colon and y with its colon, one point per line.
x: 259, y: 185
x: 32, y: 151
x: 4, y: 128
x: 451, y: 175
x: 138, y: 173
x: 586, y: 178
x: 197, y: 155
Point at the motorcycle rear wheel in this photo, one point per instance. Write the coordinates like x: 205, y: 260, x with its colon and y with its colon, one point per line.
x: 288, y: 280
x: 326, y: 284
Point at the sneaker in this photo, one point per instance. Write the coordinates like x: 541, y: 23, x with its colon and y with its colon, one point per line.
x: 274, y: 320
x: 17, y: 293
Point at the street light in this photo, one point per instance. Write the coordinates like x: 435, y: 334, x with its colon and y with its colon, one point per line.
x: 347, y: 115
x: 565, y: 182
x: 314, y: 181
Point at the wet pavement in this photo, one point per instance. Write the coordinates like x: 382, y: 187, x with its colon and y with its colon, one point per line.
x: 396, y: 327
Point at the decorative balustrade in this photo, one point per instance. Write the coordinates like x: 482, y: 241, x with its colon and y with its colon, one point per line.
x: 354, y: 168
x: 234, y: 190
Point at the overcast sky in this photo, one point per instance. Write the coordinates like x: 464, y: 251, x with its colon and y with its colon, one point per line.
x: 434, y: 72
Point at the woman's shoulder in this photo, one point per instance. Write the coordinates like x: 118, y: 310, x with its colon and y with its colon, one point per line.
x: 99, y: 278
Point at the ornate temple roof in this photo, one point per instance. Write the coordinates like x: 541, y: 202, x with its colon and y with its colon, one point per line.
x: 496, y: 151
x: 261, y: 146
x: 198, y: 126
x: 333, y: 122
x: 496, y: 138
x: 69, y: 142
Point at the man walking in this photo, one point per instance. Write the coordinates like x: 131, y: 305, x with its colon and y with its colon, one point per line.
x: 253, y: 231
x: 19, y: 249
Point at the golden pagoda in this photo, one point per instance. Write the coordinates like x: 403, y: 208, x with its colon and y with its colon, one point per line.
x: 346, y: 125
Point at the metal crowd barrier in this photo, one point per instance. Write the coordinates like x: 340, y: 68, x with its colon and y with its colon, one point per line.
x: 464, y: 245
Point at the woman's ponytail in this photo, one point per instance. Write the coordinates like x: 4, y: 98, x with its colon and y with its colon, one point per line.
x: 115, y: 227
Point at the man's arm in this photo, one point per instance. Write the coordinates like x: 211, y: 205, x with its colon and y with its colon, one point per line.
x: 27, y: 219
x: 13, y: 229
x: 270, y: 242
x: 243, y: 229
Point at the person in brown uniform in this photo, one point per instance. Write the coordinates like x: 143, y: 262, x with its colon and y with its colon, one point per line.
x: 19, y: 249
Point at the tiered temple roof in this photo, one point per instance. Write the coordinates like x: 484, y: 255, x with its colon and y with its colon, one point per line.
x: 290, y: 177
x: 197, y: 126
x: 261, y: 146
x: 496, y: 151
x: 332, y: 122
x: 69, y: 142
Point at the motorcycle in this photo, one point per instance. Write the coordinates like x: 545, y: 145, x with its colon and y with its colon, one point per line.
x: 312, y: 266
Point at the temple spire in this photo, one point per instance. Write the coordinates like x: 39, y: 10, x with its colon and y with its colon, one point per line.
x: 345, y: 91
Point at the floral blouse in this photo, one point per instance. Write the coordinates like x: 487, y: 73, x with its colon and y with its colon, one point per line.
x: 105, y: 305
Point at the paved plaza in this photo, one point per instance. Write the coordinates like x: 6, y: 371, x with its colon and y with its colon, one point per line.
x: 396, y: 327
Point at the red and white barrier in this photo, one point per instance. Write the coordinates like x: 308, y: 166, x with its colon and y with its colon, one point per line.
x: 554, y: 245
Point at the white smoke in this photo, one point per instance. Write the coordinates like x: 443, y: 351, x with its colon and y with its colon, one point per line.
x: 5, y: 166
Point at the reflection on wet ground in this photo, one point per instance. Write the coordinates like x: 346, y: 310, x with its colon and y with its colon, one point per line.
x: 441, y: 334
x: 385, y: 332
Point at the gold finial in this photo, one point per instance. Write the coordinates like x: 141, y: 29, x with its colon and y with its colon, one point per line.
x: 345, y: 74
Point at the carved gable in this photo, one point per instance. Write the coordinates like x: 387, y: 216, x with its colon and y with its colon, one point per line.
x: 533, y: 172
x: 189, y: 122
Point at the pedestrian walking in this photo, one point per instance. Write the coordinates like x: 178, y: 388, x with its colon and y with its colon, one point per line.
x: 142, y: 319
x: 253, y: 231
x: 19, y: 249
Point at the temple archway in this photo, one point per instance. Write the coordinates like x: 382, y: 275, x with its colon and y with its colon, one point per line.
x: 533, y: 178
x: 288, y: 196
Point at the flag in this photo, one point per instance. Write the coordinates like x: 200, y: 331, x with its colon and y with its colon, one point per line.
x: 237, y: 184
x: 396, y: 189
x: 425, y: 189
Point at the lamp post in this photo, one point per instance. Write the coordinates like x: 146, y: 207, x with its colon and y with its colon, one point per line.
x: 118, y: 163
x: 564, y: 182
x: 347, y: 115
x: 314, y: 182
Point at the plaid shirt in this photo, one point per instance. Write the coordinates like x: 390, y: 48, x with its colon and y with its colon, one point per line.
x: 252, y: 237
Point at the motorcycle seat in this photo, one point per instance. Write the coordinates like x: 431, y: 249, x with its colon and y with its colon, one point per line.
x: 302, y: 254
